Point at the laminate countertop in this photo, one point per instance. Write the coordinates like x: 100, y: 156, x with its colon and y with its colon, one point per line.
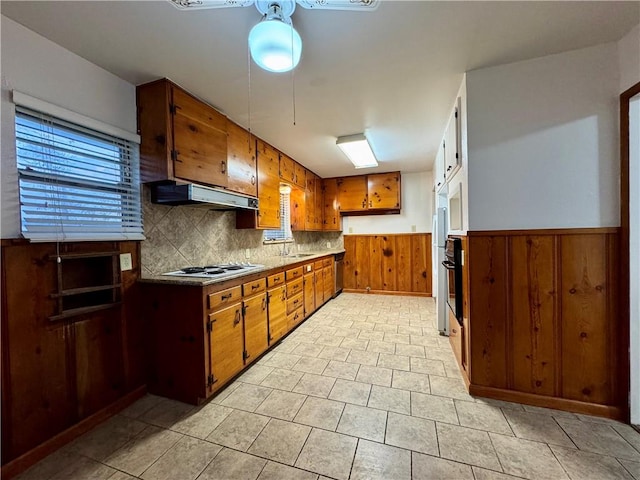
x: 271, y: 263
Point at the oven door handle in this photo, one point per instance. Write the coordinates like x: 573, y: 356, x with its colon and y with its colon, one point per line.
x: 449, y: 265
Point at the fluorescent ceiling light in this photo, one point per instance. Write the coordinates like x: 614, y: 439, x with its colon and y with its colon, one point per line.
x: 357, y: 149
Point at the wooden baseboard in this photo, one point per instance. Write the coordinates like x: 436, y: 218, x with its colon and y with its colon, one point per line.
x: 388, y: 292
x: 36, y: 454
x: 574, y: 406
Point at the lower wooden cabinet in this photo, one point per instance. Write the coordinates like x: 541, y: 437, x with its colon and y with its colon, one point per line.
x: 277, y: 313
x: 309, y: 294
x: 226, y: 343
x: 256, y: 334
x: 318, y: 287
x: 328, y: 282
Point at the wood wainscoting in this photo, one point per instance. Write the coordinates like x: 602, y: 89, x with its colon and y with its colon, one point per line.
x: 388, y: 264
x: 544, y: 324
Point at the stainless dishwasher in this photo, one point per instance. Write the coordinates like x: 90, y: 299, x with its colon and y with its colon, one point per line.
x: 339, y: 273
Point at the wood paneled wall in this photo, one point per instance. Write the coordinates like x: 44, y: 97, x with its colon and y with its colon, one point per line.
x: 392, y: 263
x: 543, y: 308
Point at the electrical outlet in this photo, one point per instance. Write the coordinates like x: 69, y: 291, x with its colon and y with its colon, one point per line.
x: 125, y: 262
x: 247, y: 253
x: 328, y: 244
x: 413, y: 228
x: 350, y: 229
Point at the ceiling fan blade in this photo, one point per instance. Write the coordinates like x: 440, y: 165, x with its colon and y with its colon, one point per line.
x: 202, y: 4
x: 355, y: 5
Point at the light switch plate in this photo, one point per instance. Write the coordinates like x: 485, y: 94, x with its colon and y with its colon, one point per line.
x: 125, y: 262
x: 247, y: 254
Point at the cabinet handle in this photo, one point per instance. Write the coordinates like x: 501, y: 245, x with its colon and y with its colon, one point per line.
x: 236, y: 320
x: 276, y: 279
x: 226, y: 296
x: 449, y: 167
x: 264, y: 303
x: 223, y: 166
x: 370, y: 203
x: 253, y: 179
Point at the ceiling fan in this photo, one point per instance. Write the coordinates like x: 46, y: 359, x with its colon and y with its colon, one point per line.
x: 274, y: 44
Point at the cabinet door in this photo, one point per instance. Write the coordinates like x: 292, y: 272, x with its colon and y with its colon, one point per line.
x: 241, y: 160
x: 319, y: 205
x: 256, y: 335
x: 318, y: 287
x: 309, y: 294
x: 384, y: 191
x: 225, y: 343
x: 438, y: 169
x: 329, y: 286
x: 352, y: 193
x: 199, y: 141
x: 452, y: 143
x: 331, y: 216
x: 300, y: 176
x: 268, y: 186
x: 277, y: 313
x: 298, y: 208
x: 310, y: 200
x: 287, y: 169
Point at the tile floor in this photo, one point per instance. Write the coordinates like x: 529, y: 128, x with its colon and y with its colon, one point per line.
x: 365, y: 389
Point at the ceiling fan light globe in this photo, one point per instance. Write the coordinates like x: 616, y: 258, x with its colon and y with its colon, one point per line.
x: 275, y: 46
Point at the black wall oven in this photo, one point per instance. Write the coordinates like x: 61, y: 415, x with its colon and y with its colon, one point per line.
x: 453, y: 264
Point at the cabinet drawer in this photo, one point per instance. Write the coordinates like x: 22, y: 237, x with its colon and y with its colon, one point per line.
x: 317, y: 265
x: 294, y: 273
x: 256, y: 286
x: 294, y: 287
x: 294, y: 318
x: 294, y: 303
x: 275, y: 279
x: 224, y: 297
x: 327, y: 262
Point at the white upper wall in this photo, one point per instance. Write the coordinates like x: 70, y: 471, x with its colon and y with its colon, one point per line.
x: 543, y: 142
x: 629, y: 58
x: 36, y: 66
x: 415, y: 210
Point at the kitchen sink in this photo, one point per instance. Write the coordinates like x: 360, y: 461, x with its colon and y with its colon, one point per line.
x: 300, y: 255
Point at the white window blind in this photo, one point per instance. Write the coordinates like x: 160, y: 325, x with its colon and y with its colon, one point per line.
x: 284, y: 233
x: 76, y: 183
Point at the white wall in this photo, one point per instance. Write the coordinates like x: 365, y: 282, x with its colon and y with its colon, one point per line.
x: 38, y: 67
x: 543, y: 142
x: 629, y: 58
x: 415, y: 210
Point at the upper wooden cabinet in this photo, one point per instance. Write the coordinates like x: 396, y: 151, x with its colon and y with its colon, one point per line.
x: 182, y: 138
x: 300, y: 175
x: 241, y: 160
x: 297, y: 207
x: 383, y: 191
x: 313, y: 202
x: 287, y: 169
x: 331, y: 215
x: 352, y: 193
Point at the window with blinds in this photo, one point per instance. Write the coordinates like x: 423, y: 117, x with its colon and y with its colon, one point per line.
x: 283, y: 234
x: 75, y: 183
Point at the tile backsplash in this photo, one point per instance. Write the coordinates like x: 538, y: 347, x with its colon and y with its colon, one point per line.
x: 185, y: 236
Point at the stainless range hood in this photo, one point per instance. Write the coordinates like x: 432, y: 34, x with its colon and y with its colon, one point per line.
x: 197, y: 195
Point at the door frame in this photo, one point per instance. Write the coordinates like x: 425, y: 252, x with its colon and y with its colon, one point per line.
x: 624, y: 253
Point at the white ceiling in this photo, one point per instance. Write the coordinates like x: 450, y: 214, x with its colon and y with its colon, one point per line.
x: 393, y: 73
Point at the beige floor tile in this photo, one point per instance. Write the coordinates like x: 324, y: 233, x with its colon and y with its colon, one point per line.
x: 410, y: 350
x: 232, y: 465
x: 350, y: 392
x: 305, y: 338
x: 412, y: 433
x: 84, y: 469
x: 484, y: 474
x: 381, y: 327
x: 280, y: 441
x: 281, y: 404
x: 482, y: 417
x: 287, y: 347
x: 282, y: 379
x: 374, y: 461
x: 202, y: 422
x: 256, y: 374
x: 325, y: 330
x: 589, y: 466
x: 397, y: 338
x: 374, y: 375
x: 355, y: 343
x: 141, y: 406
x: 598, y: 438
x: 307, y: 350
x: 185, y: 460
x: 371, y: 335
x: 527, y: 459
x: 363, y: 422
x: 121, y: 476
x: 550, y: 411
x: 277, y: 471
x: 347, y: 332
x: 632, y: 467
x: 222, y: 395
x: 424, y: 340
x: 166, y: 413
x: 390, y: 399
x: 336, y: 369
x: 363, y: 358
x: 49, y: 466
x: 238, y: 430
x: 466, y: 445
x: 316, y: 385
x: 499, y: 403
x: 434, y: 408
x: 408, y: 330
x: 283, y: 360
x: 311, y: 365
x: 363, y: 327
x: 424, y: 365
x: 628, y: 433
x: 379, y: 346
x: 396, y: 362
x: 141, y: 452
x: 247, y: 397
x: 329, y: 340
x: 540, y: 428
x: 449, y: 387
x: 416, y: 382
x: 426, y: 467
x: 102, y: 441
x: 328, y: 453
x: 320, y: 413
x: 334, y: 353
